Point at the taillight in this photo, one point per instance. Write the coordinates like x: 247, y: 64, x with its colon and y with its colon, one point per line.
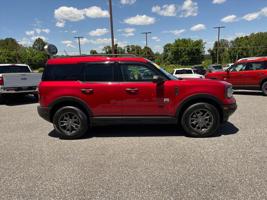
x: 1, y: 80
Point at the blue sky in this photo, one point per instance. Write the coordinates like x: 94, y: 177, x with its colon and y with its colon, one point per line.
x: 59, y: 21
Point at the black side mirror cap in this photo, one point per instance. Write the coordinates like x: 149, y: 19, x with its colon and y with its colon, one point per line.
x: 158, y: 79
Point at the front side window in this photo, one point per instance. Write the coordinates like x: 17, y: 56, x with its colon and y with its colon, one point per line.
x: 138, y: 73
x: 99, y: 73
x: 237, y: 68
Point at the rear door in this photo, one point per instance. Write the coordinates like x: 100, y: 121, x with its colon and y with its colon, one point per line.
x: 100, y: 89
x: 141, y: 96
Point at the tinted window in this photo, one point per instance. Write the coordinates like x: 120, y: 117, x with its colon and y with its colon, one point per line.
x: 138, y: 73
x: 185, y: 71
x: 99, y: 73
x: 14, y: 69
x: 63, y: 72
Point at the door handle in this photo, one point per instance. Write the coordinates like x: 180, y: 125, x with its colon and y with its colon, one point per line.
x: 131, y: 90
x: 87, y: 91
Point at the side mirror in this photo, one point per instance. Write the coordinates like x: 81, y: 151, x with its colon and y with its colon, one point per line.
x: 158, y: 80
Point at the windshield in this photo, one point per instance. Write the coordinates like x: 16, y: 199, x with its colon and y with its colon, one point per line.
x: 14, y: 69
x: 170, y: 76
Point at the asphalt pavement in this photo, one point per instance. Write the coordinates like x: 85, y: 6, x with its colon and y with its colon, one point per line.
x: 134, y: 162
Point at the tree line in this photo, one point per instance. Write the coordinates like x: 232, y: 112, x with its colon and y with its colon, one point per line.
x: 182, y: 52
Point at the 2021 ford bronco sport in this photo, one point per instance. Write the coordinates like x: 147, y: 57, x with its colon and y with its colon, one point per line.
x: 79, y: 92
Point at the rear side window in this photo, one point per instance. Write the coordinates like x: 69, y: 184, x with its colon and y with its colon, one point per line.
x: 14, y: 69
x: 99, y: 73
x: 63, y: 72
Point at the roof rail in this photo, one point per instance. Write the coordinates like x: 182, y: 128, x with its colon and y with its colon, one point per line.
x: 96, y: 55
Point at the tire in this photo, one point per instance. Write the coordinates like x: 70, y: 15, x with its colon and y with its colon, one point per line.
x: 76, y: 122
x: 195, y: 124
x: 264, y: 88
x: 36, y: 96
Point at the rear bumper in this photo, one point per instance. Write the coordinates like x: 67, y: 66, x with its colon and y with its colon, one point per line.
x: 44, y: 112
x: 228, y: 110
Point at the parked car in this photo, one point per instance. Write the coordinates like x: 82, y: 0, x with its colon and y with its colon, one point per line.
x: 249, y: 74
x: 79, y: 92
x: 18, y: 79
x: 215, y: 68
x: 186, y: 73
x: 199, y: 69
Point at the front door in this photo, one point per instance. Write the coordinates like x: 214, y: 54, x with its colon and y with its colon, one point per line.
x: 141, y: 96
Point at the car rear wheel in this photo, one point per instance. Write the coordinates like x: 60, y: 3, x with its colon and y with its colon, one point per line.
x: 70, y: 122
x: 264, y: 88
x: 201, y: 120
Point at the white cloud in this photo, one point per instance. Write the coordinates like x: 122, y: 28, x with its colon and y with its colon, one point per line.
x: 158, y: 48
x: 98, y: 32
x: 68, y: 43
x: 165, y: 10
x: 100, y: 41
x: 140, y: 20
x: 198, y: 27
x: 176, y: 32
x: 256, y: 15
x: 218, y: 1
x: 129, y: 2
x: 127, y: 32
x: 96, y: 12
x: 25, y: 42
x: 60, y: 24
x: 229, y: 19
x: 251, y: 16
x: 74, y: 32
x: 155, y: 38
x: 30, y: 33
x: 64, y: 13
x: 189, y: 8
x: 84, y: 41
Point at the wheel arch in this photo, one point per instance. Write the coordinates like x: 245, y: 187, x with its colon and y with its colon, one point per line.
x: 69, y: 101
x: 263, y: 81
x: 200, y: 98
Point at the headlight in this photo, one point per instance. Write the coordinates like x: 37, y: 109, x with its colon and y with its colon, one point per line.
x: 229, y: 92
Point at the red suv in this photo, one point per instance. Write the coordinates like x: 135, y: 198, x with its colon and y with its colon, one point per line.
x: 79, y: 92
x: 247, y: 73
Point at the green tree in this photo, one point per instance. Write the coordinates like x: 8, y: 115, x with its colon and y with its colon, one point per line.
x: 93, y: 52
x: 39, y: 44
x: 148, y: 53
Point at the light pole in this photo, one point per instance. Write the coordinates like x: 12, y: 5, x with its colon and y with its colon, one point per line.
x: 218, y: 43
x: 79, y: 42
x: 111, y: 27
x: 146, y: 33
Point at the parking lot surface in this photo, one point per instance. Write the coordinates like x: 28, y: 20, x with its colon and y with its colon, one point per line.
x: 134, y: 162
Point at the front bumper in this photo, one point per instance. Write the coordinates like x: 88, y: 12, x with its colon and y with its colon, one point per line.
x: 228, y: 110
x: 44, y: 112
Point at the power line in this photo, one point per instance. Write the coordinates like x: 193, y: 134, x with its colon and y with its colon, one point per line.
x: 218, y: 43
x: 79, y: 42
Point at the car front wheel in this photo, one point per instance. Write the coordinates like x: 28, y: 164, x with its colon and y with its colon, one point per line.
x: 264, y: 88
x: 201, y: 120
x: 70, y: 122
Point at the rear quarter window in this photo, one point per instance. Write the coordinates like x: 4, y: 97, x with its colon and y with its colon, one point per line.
x: 71, y: 72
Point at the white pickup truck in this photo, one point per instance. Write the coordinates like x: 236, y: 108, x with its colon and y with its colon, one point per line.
x: 18, y: 79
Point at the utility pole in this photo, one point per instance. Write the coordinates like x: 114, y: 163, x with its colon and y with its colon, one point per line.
x: 146, y: 33
x: 218, y: 43
x: 79, y: 42
x: 111, y: 27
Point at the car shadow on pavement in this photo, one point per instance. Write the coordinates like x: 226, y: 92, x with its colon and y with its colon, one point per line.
x: 19, y: 100
x: 247, y: 92
x: 145, y: 131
